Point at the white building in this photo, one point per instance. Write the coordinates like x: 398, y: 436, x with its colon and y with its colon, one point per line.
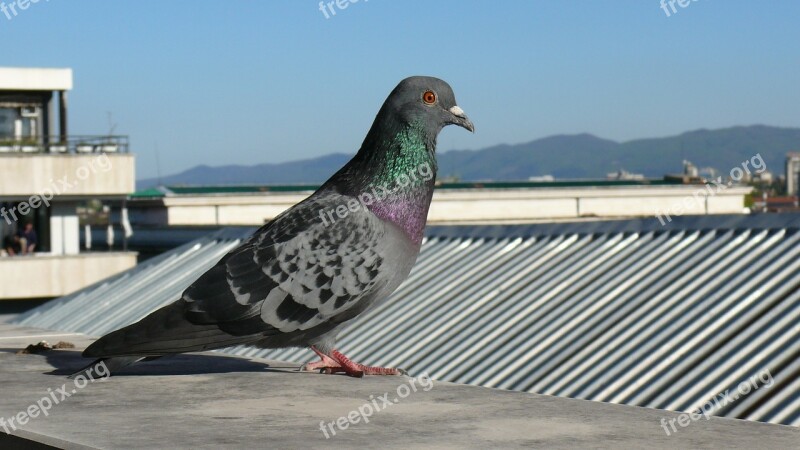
x: 458, y: 203
x: 792, y: 173
x: 44, y: 176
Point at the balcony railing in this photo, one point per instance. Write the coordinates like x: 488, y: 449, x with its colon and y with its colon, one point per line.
x: 73, y: 145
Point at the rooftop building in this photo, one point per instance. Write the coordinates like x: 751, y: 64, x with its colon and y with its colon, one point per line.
x: 453, y: 203
x: 44, y: 175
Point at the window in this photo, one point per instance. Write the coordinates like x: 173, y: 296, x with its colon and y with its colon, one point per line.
x: 19, y: 123
x: 7, y: 118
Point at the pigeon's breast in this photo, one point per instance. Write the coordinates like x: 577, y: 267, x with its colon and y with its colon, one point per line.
x: 408, y: 212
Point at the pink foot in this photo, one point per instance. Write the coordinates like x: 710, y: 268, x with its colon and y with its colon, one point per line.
x: 326, y: 364
x: 337, y: 362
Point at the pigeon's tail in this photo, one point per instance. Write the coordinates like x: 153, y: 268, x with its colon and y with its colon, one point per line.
x: 104, y: 367
x: 164, y: 332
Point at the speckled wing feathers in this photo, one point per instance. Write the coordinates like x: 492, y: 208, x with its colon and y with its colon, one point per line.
x: 295, y: 273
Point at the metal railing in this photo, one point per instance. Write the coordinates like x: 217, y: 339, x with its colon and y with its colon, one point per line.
x: 72, y: 145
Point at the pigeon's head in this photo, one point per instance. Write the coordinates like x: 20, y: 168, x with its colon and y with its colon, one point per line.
x: 427, y: 101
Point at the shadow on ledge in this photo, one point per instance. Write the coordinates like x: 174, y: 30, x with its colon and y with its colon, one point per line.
x: 67, y: 362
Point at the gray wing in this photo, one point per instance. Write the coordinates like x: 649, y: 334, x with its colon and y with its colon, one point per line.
x: 294, y: 274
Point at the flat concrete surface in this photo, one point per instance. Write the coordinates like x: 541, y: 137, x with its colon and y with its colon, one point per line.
x: 207, y: 400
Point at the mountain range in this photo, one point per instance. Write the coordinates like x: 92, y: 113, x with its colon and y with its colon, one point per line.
x: 582, y: 156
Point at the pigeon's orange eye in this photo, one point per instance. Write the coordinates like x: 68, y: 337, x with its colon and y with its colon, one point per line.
x: 429, y: 97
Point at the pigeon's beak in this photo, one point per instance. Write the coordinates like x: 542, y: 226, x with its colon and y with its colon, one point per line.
x: 461, y: 119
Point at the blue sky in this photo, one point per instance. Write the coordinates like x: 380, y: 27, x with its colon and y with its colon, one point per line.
x: 245, y: 82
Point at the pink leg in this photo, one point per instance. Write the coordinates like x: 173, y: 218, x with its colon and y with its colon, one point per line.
x: 359, y: 370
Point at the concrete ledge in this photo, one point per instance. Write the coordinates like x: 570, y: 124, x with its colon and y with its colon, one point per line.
x: 66, y: 176
x: 206, y: 400
x: 35, y: 79
x: 43, y: 275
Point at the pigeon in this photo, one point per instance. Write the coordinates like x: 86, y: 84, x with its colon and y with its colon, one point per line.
x: 302, y: 277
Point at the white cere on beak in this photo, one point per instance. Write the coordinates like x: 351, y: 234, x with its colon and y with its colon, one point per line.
x: 456, y: 111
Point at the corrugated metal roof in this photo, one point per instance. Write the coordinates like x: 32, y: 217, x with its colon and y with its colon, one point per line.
x: 619, y: 311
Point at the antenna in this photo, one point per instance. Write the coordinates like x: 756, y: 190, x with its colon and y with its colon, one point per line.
x: 111, y: 125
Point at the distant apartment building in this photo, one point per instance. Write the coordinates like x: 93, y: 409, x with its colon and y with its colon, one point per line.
x: 792, y: 173
x: 45, y: 174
